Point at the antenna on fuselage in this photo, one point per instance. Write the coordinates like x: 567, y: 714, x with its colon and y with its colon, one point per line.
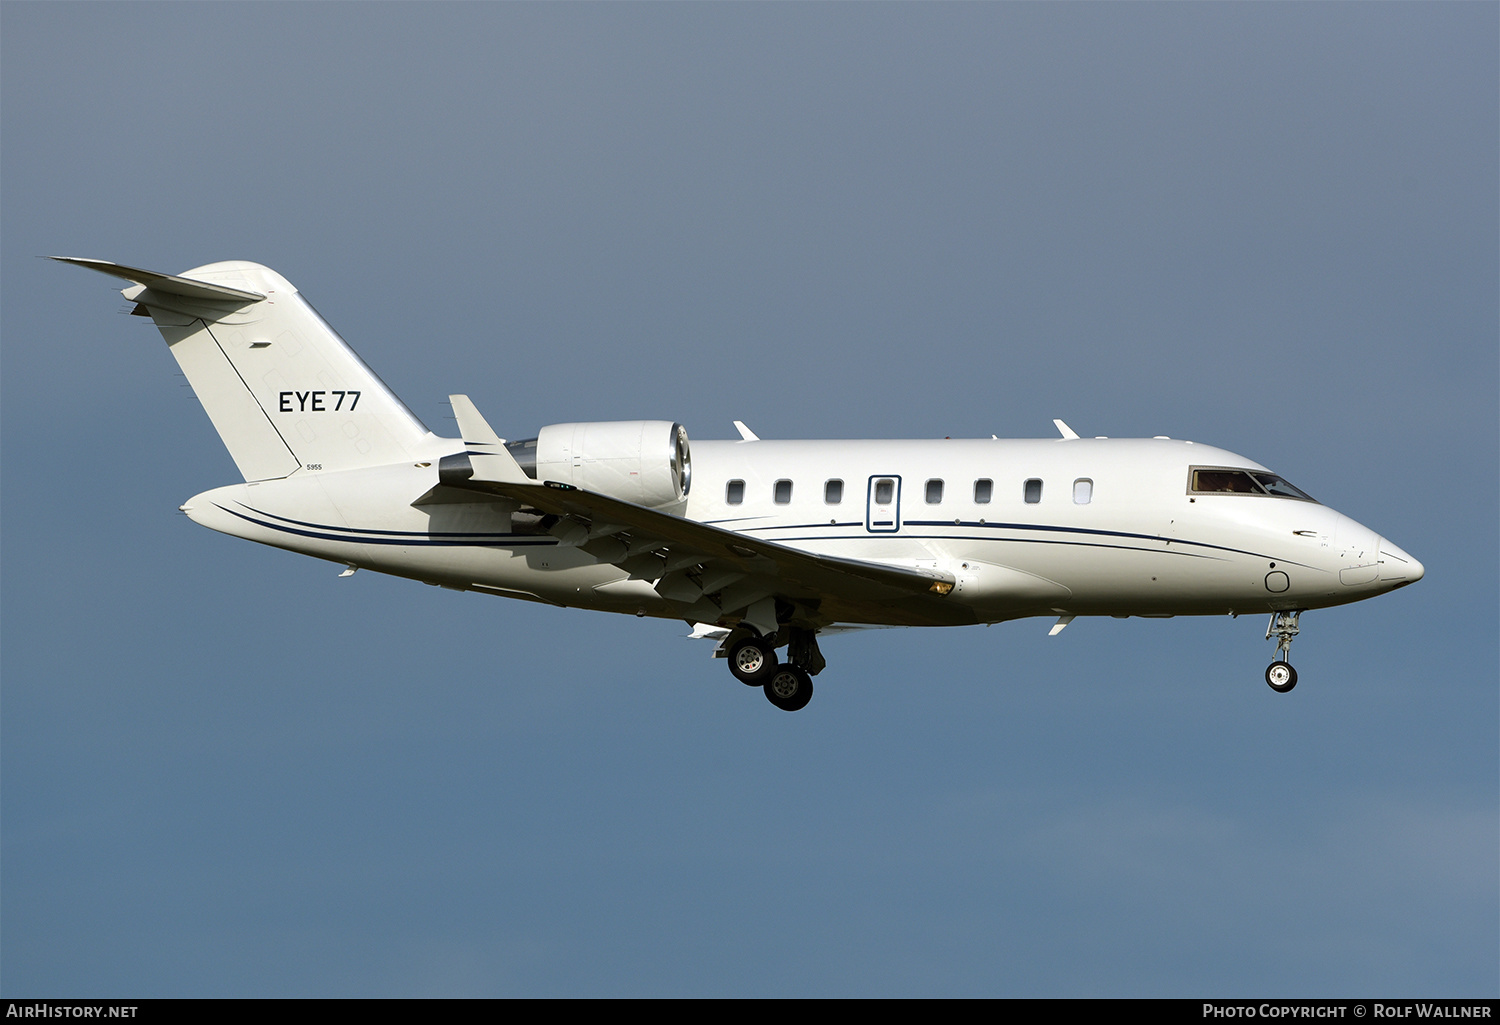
x: 1066, y: 431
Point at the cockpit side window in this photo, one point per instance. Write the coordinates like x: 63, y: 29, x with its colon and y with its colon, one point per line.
x: 1274, y: 485
x: 1236, y: 482
x: 1216, y: 480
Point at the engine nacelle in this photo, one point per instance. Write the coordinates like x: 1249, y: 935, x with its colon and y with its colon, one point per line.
x: 646, y: 462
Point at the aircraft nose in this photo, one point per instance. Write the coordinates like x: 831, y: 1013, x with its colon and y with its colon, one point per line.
x: 1396, y: 567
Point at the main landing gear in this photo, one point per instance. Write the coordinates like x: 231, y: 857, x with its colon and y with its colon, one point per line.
x: 1280, y: 674
x: 789, y: 688
x: 787, y: 685
x: 752, y: 660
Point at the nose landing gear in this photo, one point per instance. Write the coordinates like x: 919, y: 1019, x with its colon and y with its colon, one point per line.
x: 1280, y: 674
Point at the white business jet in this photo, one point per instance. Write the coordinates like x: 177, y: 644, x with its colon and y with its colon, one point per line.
x: 760, y: 545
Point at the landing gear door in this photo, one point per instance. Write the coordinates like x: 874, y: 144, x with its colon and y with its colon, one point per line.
x: 883, y: 505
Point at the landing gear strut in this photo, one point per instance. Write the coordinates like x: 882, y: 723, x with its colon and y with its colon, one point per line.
x: 1280, y: 674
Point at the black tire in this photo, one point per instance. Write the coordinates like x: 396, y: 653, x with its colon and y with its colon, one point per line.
x: 789, y: 688
x: 752, y: 661
x: 1281, y: 677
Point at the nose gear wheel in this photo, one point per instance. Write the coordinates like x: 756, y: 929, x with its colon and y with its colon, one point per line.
x: 1280, y: 675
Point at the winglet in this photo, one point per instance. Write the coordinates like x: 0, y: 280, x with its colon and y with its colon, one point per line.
x: 746, y: 433
x: 1066, y: 431
x: 486, y: 449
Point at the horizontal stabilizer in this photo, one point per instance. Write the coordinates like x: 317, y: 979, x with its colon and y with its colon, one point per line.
x: 166, y: 284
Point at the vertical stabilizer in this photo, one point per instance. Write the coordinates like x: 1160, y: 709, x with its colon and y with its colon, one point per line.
x: 284, y: 391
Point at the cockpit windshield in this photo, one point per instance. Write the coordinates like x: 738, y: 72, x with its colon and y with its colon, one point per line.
x: 1213, y: 480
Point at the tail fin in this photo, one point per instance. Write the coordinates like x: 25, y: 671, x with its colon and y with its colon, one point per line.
x: 284, y: 391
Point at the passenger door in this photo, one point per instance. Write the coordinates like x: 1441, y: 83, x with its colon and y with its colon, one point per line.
x: 883, y: 505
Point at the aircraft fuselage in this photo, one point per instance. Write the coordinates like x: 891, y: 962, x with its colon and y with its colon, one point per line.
x: 1114, y: 529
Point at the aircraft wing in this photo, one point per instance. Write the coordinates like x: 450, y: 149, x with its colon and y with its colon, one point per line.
x: 687, y: 561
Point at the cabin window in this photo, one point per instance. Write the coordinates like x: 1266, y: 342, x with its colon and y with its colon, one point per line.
x: 734, y: 493
x: 885, y: 490
x: 833, y: 492
x: 783, y: 492
x: 1033, y: 491
x: 934, y: 491
x: 983, y: 489
x: 1083, y: 491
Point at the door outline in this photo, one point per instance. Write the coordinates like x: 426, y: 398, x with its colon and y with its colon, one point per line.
x: 886, y: 518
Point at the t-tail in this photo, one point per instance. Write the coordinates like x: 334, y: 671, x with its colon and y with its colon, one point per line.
x: 284, y: 391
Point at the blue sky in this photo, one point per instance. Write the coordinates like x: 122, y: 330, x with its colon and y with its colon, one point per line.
x: 1267, y: 227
